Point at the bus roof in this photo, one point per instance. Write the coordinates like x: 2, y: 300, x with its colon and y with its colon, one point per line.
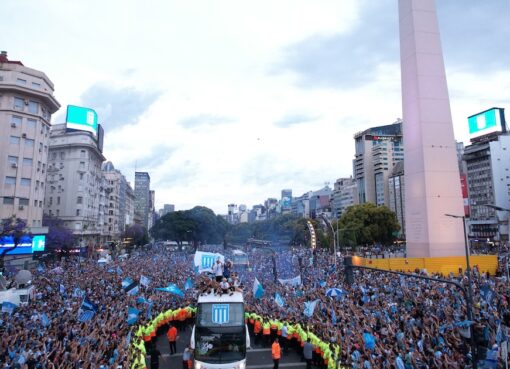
x: 225, y: 298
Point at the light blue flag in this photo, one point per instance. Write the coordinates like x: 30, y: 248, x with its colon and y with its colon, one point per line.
x: 133, y: 290
x: 44, y: 320
x: 145, y: 281
x: 62, y: 289
x: 258, y: 290
x: 119, y: 271
x: 369, y: 340
x: 86, y: 315
x: 141, y: 300
x: 78, y: 292
x: 126, y: 282
x: 310, y: 307
x: 333, y: 316
x: 149, y: 310
x: 8, y: 307
x: 188, y: 285
x: 133, y: 315
x: 171, y: 288
x: 279, y: 300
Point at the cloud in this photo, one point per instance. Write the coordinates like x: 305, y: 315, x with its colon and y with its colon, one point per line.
x: 204, y: 119
x: 118, y: 106
x: 294, y: 119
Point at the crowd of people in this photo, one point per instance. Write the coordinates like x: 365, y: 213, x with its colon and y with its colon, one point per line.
x: 379, y: 321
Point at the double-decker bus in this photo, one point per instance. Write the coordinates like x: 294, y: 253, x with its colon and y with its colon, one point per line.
x: 220, y: 337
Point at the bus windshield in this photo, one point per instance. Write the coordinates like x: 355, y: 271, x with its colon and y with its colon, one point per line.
x: 220, y: 345
x: 220, y: 315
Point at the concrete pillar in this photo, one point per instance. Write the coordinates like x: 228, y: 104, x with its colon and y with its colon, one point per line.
x: 432, y: 181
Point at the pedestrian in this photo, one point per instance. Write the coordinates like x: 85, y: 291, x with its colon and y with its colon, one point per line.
x: 186, y: 358
x: 276, y: 353
x: 308, y: 353
x: 172, y: 339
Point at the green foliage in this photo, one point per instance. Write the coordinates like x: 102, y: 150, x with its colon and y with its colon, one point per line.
x: 367, y: 224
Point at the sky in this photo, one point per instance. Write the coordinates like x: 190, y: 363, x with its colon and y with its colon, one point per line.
x: 231, y: 101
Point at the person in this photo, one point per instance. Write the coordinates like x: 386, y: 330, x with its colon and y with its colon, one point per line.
x: 155, y: 354
x: 284, y: 337
x: 276, y: 353
x: 186, y: 358
x: 172, y: 339
x: 308, y: 353
x: 224, y: 286
x: 218, y: 270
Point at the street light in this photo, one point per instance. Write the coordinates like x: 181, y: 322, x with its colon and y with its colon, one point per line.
x: 326, y: 220
x: 469, y: 303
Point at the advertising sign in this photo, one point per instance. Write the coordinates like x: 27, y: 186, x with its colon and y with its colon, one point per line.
x: 27, y: 245
x: 485, y: 122
x: 83, y: 119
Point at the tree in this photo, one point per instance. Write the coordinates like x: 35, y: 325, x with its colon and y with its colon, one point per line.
x: 369, y: 223
x: 137, y: 233
x: 12, y: 231
x: 59, y: 237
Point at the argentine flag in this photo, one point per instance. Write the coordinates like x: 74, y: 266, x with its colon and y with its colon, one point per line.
x: 279, y: 300
x: 258, y: 290
x: 132, y: 317
x: 310, y: 307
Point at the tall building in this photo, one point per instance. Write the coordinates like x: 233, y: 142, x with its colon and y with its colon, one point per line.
x: 232, y: 214
x: 167, y: 208
x: 243, y: 214
x: 286, y: 201
x: 488, y: 177
x: 152, y: 210
x: 377, y: 150
x: 430, y: 167
x: 113, y: 189
x: 345, y: 194
x: 142, y: 196
x: 396, y: 185
x: 26, y: 106
x: 128, y: 213
x: 75, y: 190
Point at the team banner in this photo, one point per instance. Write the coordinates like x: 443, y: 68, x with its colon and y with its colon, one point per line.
x: 206, y: 260
x: 296, y: 281
x: 220, y: 313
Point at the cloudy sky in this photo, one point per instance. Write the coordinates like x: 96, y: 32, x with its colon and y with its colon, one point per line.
x: 229, y: 101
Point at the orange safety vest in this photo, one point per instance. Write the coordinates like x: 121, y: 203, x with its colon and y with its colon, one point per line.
x: 172, y: 334
x: 275, y: 350
x: 257, y: 327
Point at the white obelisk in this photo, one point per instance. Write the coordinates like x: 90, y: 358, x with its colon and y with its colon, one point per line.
x: 432, y: 182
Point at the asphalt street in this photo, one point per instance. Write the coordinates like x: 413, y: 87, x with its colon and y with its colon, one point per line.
x: 259, y: 357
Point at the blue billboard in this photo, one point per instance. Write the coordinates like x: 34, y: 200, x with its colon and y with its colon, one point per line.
x: 83, y: 119
x: 27, y: 244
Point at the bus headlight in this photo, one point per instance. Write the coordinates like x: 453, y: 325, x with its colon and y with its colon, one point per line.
x: 241, y: 366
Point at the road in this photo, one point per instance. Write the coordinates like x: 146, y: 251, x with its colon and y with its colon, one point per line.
x: 259, y: 357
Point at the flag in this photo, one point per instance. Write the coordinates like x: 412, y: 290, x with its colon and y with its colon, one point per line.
x: 149, y: 310
x: 85, y: 316
x: 499, y: 334
x: 369, y: 340
x: 130, y: 286
x: 333, y: 316
x: 188, y: 285
x: 78, y: 292
x: 258, y: 290
x: 44, y: 320
x: 87, y: 310
x: 145, y: 281
x: 141, y: 300
x: 279, y: 300
x: 133, y: 315
x: 133, y: 289
x: 111, y: 270
x: 322, y: 283
x: 62, y: 289
x: 119, y: 271
x: 486, y: 293
x: 128, y: 339
x: 206, y: 260
x: 8, y: 307
x: 310, y: 307
x: 296, y: 281
x: 126, y: 282
x: 171, y: 288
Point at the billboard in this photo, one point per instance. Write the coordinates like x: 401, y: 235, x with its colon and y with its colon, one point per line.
x: 486, y: 122
x: 27, y: 245
x: 83, y: 119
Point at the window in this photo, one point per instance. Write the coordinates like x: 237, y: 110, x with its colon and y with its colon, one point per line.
x: 33, y: 107
x: 29, y: 142
x: 81, y: 176
x: 79, y: 200
x: 53, y: 155
x: 12, y: 159
x: 58, y: 212
x: 35, y: 203
x: 36, y: 85
x: 62, y: 155
x: 58, y: 200
x: 14, y: 140
x: 82, y: 153
x: 10, y: 181
x: 16, y: 120
x: 77, y: 212
x: 21, y: 82
x: 31, y: 123
x: 23, y: 202
x: 27, y: 162
x: 19, y: 103
x: 40, y: 203
x: 82, y: 165
x: 25, y: 182
x: 8, y: 201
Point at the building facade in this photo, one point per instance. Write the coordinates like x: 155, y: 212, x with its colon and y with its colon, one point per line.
x: 26, y: 106
x: 142, y: 197
x: 345, y: 194
x: 377, y: 150
x: 75, y: 190
x: 396, y: 187
x: 167, y: 208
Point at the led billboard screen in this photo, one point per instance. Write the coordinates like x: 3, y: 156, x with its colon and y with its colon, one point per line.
x: 484, y: 123
x: 83, y: 119
x: 27, y: 245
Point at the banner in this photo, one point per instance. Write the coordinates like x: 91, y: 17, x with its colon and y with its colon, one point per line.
x: 145, y: 281
x: 206, y: 260
x: 126, y: 282
x: 310, y: 307
x: 171, y: 288
x: 87, y: 310
x: 8, y: 307
x: 258, y: 290
x: 296, y: 281
x: 133, y: 315
x: 279, y: 300
x: 188, y: 285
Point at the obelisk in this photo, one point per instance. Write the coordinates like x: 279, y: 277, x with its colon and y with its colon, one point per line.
x: 431, y: 174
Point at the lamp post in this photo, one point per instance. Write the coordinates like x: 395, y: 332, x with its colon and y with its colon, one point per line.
x: 326, y: 220
x: 469, y: 302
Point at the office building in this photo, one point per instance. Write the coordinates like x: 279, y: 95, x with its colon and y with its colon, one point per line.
x: 377, y: 150
x: 142, y: 197
x: 396, y: 187
x: 26, y: 106
x: 75, y: 190
x: 345, y: 194
x: 167, y: 208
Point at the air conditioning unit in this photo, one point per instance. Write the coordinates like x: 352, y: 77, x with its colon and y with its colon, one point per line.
x: 24, y: 135
x: 14, y: 165
x: 21, y: 207
x: 27, y: 102
x: 13, y: 125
